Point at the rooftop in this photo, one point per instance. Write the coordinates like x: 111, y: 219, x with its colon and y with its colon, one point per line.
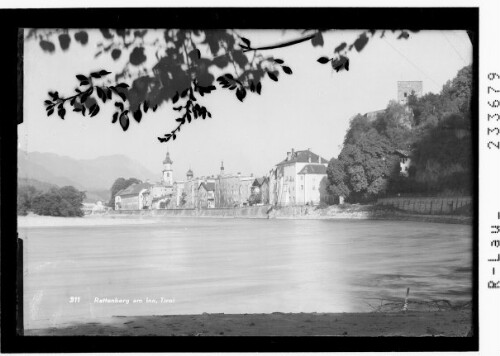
x: 305, y: 156
x: 259, y: 181
x: 134, y: 189
x: 209, y: 186
x: 313, y: 169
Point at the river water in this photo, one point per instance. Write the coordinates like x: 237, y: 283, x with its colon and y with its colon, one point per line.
x: 238, y: 266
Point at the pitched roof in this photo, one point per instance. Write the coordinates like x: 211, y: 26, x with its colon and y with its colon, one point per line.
x: 209, y: 186
x: 303, y: 157
x: 313, y: 169
x: 259, y: 181
x: 134, y: 189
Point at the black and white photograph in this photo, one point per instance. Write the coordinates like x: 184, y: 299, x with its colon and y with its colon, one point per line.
x: 248, y: 181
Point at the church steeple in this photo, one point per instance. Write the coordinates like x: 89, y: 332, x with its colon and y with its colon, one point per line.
x: 167, y: 159
x: 168, y: 177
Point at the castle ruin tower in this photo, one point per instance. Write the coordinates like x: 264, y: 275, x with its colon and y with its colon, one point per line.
x: 168, y: 176
x: 407, y: 88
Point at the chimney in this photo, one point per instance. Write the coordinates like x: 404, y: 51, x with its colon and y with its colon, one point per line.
x: 293, y: 152
x: 288, y: 156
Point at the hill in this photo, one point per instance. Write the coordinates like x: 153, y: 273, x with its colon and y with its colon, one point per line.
x: 92, y: 175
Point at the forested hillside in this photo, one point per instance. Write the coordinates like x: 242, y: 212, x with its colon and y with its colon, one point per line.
x: 433, y: 131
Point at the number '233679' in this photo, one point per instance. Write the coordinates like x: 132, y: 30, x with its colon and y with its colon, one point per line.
x: 495, y: 104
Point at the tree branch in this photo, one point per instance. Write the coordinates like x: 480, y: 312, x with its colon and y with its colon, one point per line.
x: 283, y: 44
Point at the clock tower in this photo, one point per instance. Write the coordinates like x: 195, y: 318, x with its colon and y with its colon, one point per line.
x: 167, y: 178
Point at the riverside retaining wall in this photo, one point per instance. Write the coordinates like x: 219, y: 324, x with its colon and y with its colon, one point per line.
x: 258, y: 212
x: 428, y: 205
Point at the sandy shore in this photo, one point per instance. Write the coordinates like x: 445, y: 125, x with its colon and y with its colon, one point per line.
x: 452, y: 323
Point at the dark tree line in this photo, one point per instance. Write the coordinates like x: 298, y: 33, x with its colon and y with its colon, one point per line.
x: 434, y: 130
x: 65, y: 201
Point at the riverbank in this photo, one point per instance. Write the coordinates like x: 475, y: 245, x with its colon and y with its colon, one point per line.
x: 344, y: 212
x: 366, y: 212
x: 451, y: 323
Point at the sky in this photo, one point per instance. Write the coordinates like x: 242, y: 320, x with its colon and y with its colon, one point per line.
x: 309, y: 109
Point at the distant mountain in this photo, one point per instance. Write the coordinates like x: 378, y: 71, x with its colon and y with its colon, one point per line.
x: 91, y: 195
x: 41, y: 186
x: 92, y: 175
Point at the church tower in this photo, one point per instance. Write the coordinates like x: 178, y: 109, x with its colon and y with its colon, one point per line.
x: 168, y: 177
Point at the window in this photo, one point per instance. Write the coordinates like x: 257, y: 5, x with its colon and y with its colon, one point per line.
x: 301, y: 187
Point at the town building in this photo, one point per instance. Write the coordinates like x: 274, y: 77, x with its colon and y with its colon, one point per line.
x: 206, y: 195
x: 146, y: 195
x: 299, y: 179
x: 232, y: 190
x: 260, y: 191
x: 135, y: 197
x: 185, y: 191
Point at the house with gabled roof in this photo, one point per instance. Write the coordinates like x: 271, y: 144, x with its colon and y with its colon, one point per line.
x: 299, y: 179
x: 206, y: 195
x: 135, y: 197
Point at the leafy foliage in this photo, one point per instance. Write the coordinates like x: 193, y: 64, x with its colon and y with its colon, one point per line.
x: 65, y: 201
x: 185, y: 60
x: 84, y: 102
x: 337, y: 178
x: 25, y: 196
x: 368, y: 160
x: 340, y: 59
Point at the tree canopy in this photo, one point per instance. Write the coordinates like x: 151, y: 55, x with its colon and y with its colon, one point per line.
x: 433, y: 130
x: 65, y: 201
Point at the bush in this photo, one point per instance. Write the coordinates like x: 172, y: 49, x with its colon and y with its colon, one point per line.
x: 66, y: 201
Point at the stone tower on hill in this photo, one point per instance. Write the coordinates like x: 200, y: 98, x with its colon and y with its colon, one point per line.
x: 406, y: 88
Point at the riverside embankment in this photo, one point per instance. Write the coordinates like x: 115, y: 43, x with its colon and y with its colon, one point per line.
x: 346, y: 211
